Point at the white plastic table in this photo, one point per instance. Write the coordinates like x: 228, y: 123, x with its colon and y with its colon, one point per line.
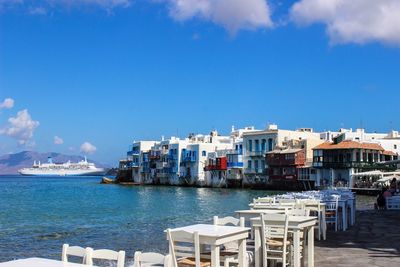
x: 39, y: 262
x: 297, y: 224
x: 215, y: 236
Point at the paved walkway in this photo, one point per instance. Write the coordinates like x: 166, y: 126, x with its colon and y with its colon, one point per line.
x: 373, y: 241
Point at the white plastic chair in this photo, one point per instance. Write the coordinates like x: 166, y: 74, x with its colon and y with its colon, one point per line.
x: 75, y: 251
x: 149, y: 259
x: 106, y: 254
x: 187, y: 251
x: 274, y: 237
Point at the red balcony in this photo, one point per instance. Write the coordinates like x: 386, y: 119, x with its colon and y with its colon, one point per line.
x: 218, y: 164
x: 294, y: 158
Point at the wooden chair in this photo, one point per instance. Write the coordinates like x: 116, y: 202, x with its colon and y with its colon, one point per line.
x: 230, y: 253
x: 106, y: 254
x: 299, y: 212
x: 264, y: 200
x: 151, y: 259
x: 186, y: 252
x: 274, y: 236
x: 331, y: 213
x: 75, y: 251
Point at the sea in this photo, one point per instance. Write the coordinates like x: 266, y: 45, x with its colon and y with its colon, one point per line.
x: 39, y: 214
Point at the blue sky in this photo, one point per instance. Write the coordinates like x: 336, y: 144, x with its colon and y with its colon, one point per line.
x: 108, y: 72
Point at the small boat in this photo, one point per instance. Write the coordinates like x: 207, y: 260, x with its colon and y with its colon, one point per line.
x: 106, y: 180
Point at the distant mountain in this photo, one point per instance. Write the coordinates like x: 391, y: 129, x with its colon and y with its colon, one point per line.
x: 11, y: 163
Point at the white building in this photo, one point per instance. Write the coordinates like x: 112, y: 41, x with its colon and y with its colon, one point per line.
x: 195, y: 157
x: 135, y: 155
x: 257, y: 143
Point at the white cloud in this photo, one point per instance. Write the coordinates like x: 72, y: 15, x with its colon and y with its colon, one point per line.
x: 41, y: 7
x: 88, y: 148
x: 352, y: 21
x: 10, y: 3
x: 102, y: 3
x: 58, y: 140
x: 7, y: 103
x: 21, y: 127
x: 233, y: 15
x: 38, y: 11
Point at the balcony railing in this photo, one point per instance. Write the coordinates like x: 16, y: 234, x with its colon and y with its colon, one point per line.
x: 134, y: 164
x: 235, y: 164
x: 255, y: 170
x: 133, y: 153
x: 234, y: 176
x: 215, y: 168
x: 188, y: 159
x: 234, y: 152
x: 351, y: 164
x: 258, y: 153
x: 160, y: 165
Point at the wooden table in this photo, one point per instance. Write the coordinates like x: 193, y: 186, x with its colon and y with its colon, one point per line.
x: 39, y: 262
x: 297, y: 224
x: 215, y: 236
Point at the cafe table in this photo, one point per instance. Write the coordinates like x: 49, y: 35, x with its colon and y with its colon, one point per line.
x: 249, y: 214
x: 39, y: 262
x: 217, y: 235
x: 297, y: 224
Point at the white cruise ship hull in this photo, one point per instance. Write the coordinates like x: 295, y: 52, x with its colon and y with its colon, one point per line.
x: 33, y: 172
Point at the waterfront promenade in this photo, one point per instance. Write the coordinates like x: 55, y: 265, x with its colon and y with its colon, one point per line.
x: 373, y: 241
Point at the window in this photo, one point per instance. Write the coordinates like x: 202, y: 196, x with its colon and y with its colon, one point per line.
x: 270, y: 148
x: 250, y: 145
x: 256, y: 164
x: 263, y: 145
x: 204, y: 153
x: 249, y: 164
x: 289, y: 156
x: 395, y: 146
x: 257, y: 145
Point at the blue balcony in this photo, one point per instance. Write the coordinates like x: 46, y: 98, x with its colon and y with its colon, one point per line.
x: 133, y: 153
x: 188, y: 156
x: 135, y: 164
x: 235, y: 164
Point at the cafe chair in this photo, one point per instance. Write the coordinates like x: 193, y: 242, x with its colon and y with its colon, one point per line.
x: 74, y: 251
x: 187, y: 253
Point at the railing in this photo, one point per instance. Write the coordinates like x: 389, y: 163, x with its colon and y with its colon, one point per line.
x: 254, y: 170
x: 234, y: 152
x: 188, y: 159
x: 215, y: 168
x: 256, y: 153
x: 160, y: 165
x: 134, y: 164
x: 351, y: 164
x: 235, y: 164
x: 133, y: 153
x: 234, y: 176
x: 162, y: 175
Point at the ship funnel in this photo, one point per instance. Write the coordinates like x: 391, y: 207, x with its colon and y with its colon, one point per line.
x: 50, y: 160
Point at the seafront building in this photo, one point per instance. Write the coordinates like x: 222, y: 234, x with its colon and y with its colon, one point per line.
x: 257, y: 144
x: 271, y: 157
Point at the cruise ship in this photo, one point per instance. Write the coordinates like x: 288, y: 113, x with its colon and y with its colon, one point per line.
x: 82, y: 168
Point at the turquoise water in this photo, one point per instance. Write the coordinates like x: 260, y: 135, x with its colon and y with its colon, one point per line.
x: 38, y: 215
